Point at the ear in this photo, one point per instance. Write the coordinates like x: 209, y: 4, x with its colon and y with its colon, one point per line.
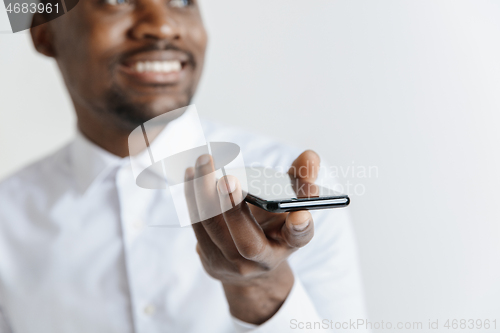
x: 42, y: 36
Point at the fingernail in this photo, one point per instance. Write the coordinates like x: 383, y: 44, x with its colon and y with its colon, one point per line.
x: 301, y: 227
x: 226, y: 185
x: 202, y: 160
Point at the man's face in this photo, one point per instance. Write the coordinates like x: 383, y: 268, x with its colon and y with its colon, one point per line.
x: 127, y: 61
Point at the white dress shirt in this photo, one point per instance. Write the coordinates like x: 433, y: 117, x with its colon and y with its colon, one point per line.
x: 83, y: 249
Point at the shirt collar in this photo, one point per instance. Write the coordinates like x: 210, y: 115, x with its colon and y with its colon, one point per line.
x: 92, y: 163
x: 89, y: 161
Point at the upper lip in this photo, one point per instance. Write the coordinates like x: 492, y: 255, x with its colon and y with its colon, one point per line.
x: 156, y: 55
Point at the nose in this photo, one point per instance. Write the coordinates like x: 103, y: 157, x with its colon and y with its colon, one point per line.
x: 155, y: 22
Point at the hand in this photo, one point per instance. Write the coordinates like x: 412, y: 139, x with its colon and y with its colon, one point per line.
x: 245, y: 247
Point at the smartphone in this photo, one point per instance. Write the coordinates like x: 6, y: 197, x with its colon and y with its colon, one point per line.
x: 277, y: 192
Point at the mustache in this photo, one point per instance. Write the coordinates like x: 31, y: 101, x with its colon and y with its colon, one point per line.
x: 159, y: 46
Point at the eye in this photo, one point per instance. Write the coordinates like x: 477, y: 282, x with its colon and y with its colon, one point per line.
x: 180, y: 3
x: 117, y: 2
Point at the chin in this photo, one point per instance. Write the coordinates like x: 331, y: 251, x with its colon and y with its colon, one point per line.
x: 164, y: 105
x: 130, y: 114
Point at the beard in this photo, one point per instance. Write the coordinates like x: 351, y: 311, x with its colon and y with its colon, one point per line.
x: 128, y: 114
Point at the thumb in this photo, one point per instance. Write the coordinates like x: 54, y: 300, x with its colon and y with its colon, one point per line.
x: 305, y: 167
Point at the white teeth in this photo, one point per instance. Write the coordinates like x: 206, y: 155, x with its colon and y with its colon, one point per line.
x: 157, y: 66
x: 165, y: 66
x: 176, y: 66
x: 140, y: 67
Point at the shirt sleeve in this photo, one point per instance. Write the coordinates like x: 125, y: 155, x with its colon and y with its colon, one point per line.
x: 4, y: 327
x: 243, y: 327
x: 294, y: 313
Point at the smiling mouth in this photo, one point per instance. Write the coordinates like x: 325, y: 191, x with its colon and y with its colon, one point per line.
x: 174, y: 66
x: 155, y: 69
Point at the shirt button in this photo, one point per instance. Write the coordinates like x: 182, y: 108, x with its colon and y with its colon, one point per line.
x: 149, y: 310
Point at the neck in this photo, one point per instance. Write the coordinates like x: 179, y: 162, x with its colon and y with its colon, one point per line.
x: 105, y: 133
x: 114, y: 141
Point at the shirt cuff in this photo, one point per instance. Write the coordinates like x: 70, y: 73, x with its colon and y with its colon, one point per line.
x: 243, y: 327
x: 297, y: 307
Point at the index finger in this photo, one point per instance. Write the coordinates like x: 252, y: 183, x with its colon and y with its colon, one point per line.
x: 247, y: 234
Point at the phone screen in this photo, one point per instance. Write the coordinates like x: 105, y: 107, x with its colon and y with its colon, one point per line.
x: 272, y: 185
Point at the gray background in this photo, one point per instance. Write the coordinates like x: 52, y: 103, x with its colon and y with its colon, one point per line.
x: 409, y: 87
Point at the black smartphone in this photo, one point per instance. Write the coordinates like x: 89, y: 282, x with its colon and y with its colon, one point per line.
x: 277, y: 192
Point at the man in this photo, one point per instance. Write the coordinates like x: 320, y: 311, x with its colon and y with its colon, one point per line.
x: 78, y: 252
